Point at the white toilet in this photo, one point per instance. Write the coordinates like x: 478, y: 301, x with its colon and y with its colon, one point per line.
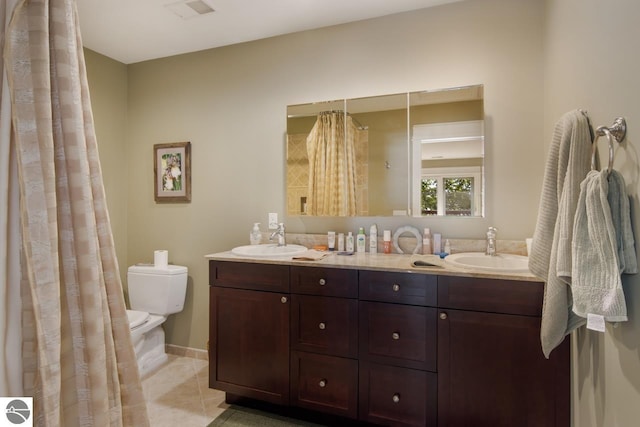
x: 154, y: 293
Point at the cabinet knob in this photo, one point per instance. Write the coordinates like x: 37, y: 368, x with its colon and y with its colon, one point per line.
x: 443, y: 316
x: 322, y: 282
x: 322, y: 383
x: 395, y: 287
x: 322, y: 325
x: 395, y: 336
x: 396, y: 398
x: 283, y: 300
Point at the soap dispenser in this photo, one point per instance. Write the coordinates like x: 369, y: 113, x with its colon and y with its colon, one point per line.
x: 255, y: 237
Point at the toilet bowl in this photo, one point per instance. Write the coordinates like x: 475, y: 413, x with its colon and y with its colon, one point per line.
x: 154, y: 293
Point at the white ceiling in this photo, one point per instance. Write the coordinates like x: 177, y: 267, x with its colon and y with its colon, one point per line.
x: 131, y: 31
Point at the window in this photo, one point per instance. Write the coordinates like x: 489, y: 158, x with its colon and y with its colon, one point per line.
x: 451, y: 193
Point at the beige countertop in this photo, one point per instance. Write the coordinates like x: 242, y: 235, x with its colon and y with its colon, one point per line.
x: 378, y: 261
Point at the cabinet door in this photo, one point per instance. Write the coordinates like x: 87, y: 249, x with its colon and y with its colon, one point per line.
x: 249, y: 339
x: 491, y: 372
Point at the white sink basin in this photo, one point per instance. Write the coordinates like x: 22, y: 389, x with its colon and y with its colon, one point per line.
x: 505, y: 263
x: 268, y: 251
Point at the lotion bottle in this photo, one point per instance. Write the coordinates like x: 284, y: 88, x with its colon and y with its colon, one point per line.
x: 373, y: 239
x: 387, y: 241
x: 361, y: 241
x: 349, y: 242
x: 340, y: 242
x: 427, y: 247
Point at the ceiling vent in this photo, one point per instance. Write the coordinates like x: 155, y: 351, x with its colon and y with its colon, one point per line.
x: 188, y: 9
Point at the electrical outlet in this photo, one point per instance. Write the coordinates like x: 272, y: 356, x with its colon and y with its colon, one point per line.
x: 273, y: 221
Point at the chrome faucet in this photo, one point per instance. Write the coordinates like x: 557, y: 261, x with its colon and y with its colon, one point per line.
x: 491, y: 241
x: 280, y: 233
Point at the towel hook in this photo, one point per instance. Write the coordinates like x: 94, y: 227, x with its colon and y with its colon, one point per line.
x: 602, y: 130
x: 618, y: 129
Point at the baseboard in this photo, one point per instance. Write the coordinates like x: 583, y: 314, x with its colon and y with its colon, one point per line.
x: 178, y: 350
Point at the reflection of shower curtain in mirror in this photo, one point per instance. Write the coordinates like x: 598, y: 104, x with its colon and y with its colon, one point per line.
x: 332, y: 166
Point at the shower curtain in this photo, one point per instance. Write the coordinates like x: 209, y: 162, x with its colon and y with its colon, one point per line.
x: 79, y: 363
x: 332, y: 166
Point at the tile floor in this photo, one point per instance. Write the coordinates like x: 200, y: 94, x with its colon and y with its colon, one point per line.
x: 177, y: 394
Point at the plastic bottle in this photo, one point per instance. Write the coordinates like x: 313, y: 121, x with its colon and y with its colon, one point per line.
x: 427, y: 247
x: 349, y: 242
x: 361, y: 241
x: 373, y: 239
x: 447, y: 247
x: 340, y: 242
x: 331, y: 240
x: 255, y: 237
x: 386, y: 241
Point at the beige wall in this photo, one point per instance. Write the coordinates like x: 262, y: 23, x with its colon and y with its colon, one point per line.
x: 592, y: 63
x: 108, y: 82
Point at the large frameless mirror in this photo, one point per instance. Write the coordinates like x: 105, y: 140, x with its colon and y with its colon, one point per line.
x: 418, y: 153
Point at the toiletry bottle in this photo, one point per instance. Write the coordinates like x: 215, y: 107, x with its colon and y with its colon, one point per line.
x: 255, y: 237
x: 427, y: 247
x: 386, y: 241
x: 331, y: 240
x: 373, y: 239
x: 340, y: 242
x: 437, y: 243
x: 361, y: 241
x: 349, y: 242
x: 447, y: 247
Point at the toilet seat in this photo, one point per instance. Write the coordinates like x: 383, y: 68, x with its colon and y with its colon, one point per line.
x: 137, y: 318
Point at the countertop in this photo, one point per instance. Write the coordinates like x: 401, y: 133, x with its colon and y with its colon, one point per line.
x: 378, y: 261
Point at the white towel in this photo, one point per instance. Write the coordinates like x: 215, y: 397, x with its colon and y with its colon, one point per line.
x: 603, y: 247
x: 568, y: 163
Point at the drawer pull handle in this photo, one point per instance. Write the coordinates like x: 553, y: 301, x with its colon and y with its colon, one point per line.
x: 322, y: 282
x: 443, y: 316
x: 322, y: 325
x: 283, y: 300
x: 322, y: 383
x: 395, y: 336
x: 396, y: 398
x: 395, y: 287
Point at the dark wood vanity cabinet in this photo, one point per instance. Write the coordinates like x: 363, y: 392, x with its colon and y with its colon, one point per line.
x: 249, y: 330
x: 491, y: 370
x: 386, y: 348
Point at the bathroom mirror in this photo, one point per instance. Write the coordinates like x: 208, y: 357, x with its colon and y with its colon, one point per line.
x: 418, y: 153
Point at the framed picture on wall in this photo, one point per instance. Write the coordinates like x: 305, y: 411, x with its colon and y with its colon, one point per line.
x: 172, y: 172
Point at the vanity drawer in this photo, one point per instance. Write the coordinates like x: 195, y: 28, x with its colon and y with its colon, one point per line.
x: 262, y: 277
x: 324, y: 383
x: 397, y: 396
x: 398, y: 335
x: 491, y: 295
x: 404, y: 288
x: 333, y: 282
x: 324, y: 325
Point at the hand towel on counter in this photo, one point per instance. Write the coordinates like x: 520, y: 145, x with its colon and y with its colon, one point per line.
x: 311, y: 255
x: 568, y: 163
x: 603, y: 247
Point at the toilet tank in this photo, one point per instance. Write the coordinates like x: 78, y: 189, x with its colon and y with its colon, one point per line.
x: 157, y: 290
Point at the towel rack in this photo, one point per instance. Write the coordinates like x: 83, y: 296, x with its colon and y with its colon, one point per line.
x: 617, y: 131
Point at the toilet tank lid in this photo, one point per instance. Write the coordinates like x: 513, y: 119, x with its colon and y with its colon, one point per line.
x: 151, y: 269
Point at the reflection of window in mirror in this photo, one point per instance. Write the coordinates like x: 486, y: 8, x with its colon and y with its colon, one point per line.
x: 447, y: 137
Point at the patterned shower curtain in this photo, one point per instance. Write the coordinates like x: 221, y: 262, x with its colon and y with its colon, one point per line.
x: 79, y: 363
x: 332, y: 166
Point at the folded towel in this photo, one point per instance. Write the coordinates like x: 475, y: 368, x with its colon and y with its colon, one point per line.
x: 568, y: 162
x: 602, y: 247
x: 311, y: 255
x: 426, y: 261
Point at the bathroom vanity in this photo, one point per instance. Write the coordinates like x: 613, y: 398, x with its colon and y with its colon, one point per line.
x: 384, y: 343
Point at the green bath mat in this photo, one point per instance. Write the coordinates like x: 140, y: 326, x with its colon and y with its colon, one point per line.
x: 239, y: 416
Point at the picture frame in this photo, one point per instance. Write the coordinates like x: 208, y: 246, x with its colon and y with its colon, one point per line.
x: 172, y: 172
